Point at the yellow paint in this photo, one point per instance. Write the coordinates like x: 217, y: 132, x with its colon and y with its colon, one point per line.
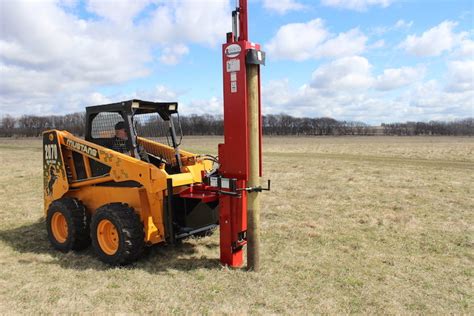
x: 108, y: 237
x: 61, y: 185
x: 59, y: 227
x: 146, y: 199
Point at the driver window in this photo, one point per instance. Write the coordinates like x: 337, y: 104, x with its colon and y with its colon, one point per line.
x: 103, y: 125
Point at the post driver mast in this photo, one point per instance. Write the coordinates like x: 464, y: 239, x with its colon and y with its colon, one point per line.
x: 240, y: 156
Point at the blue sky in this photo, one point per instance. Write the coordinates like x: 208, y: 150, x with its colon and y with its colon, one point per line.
x: 366, y: 60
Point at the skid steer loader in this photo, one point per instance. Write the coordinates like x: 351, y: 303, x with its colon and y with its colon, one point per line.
x: 127, y: 185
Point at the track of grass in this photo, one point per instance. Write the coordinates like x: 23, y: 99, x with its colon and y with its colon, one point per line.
x: 367, y: 225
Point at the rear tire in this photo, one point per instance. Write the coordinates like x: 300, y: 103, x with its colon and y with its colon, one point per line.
x: 117, y: 234
x: 67, y: 223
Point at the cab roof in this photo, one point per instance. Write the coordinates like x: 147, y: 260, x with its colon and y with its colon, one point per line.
x: 135, y: 106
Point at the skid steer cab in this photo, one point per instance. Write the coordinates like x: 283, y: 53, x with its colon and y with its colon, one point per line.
x: 128, y: 184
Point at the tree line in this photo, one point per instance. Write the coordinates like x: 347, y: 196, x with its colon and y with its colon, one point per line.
x: 279, y: 124
x: 463, y: 127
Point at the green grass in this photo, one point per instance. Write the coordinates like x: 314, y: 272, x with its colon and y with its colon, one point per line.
x: 352, y: 225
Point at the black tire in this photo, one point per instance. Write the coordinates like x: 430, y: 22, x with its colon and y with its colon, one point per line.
x: 77, y: 220
x: 129, y: 229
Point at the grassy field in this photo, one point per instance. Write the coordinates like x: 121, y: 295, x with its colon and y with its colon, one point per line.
x: 352, y: 225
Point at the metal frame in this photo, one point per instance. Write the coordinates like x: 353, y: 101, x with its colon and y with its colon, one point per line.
x: 237, y: 53
x: 127, y: 109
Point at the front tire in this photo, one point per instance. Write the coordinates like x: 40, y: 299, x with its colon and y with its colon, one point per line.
x: 67, y: 223
x: 117, y: 234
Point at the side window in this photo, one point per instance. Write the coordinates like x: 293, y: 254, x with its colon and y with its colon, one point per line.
x: 152, y: 126
x: 103, y: 125
x: 103, y: 133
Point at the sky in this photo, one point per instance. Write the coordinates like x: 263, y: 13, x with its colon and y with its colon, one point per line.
x: 360, y: 60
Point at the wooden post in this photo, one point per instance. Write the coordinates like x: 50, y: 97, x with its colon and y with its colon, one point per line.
x: 253, y: 199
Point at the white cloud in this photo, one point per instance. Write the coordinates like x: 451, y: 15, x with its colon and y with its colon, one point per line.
x: 161, y: 93
x: 403, y: 24
x: 431, y: 99
x: 461, y: 76
x: 277, y: 92
x: 121, y: 11
x: 158, y: 93
x: 53, y: 56
x: 199, y: 22
x: 345, y: 44
x: 297, y: 41
x: 358, y: 5
x: 310, y: 102
x: 212, y: 106
x: 394, y: 78
x: 465, y: 49
x: 434, y: 41
x: 282, y: 6
x: 399, y: 25
x: 378, y: 44
x: 98, y: 98
x: 302, y: 41
x: 347, y: 73
x: 424, y: 101
x: 345, y: 89
x: 172, y: 55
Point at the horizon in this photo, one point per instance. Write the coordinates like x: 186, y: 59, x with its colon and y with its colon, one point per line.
x: 371, y: 61
x: 220, y: 116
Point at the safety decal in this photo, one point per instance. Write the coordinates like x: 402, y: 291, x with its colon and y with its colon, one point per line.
x: 233, y: 86
x: 233, y: 65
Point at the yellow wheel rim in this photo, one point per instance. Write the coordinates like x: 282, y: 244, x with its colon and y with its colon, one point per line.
x: 107, y: 237
x: 59, y: 227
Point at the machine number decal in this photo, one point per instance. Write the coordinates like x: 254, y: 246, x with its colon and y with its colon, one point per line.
x: 50, y: 153
x: 233, y: 50
x: 52, y: 163
x: 233, y: 65
x: 51, y: 160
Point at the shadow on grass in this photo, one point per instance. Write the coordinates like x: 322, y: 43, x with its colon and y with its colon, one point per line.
x: 33, y: 239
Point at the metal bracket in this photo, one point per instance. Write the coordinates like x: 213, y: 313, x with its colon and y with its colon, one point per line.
x: 232, y: 187
x: 255, y: 57
x: 234, y: 194
x: 223, y: 183
x: 256, y: 189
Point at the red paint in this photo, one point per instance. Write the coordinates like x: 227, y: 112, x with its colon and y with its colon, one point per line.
x: 243, y: 24
x: 200, y: 192
x: 234, y: 153
x: 232, y: 221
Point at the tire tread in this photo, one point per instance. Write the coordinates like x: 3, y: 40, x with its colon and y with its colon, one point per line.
x: 131, y: 228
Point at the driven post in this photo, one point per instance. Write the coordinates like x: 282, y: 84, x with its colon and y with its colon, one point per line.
x: 253, y: 199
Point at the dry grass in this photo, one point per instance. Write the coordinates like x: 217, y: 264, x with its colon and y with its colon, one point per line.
x: 364, y: 225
